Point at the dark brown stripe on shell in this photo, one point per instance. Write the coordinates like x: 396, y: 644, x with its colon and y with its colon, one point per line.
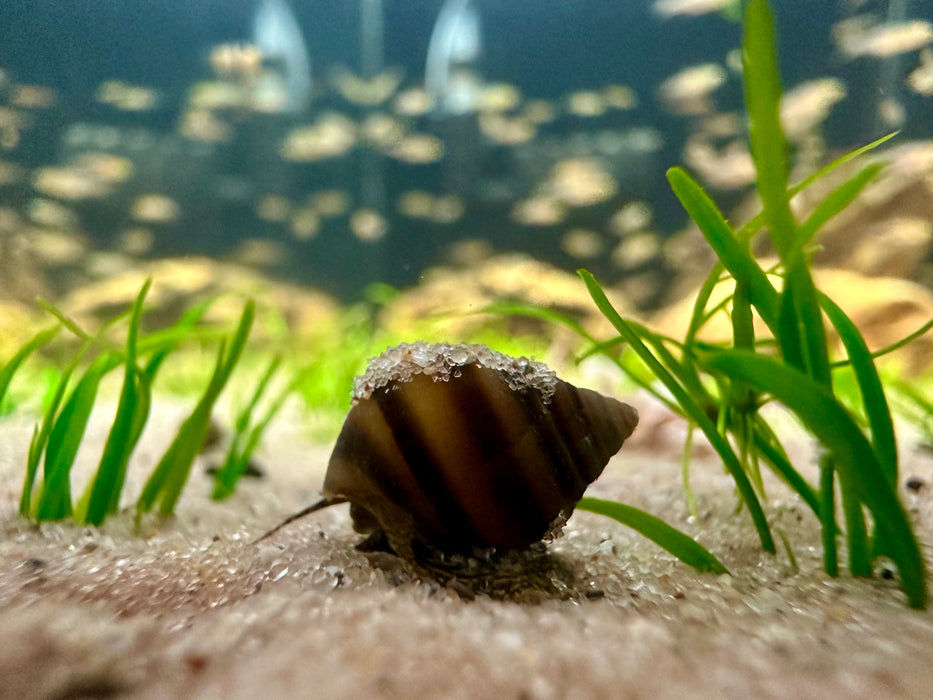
x: 559, y: 457
x: 436, y: 439
x: 367, y: 467
x: 526, y: 496
x: 587, y: 450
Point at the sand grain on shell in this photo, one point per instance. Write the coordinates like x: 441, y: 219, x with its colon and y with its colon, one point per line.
x: 192, y: 609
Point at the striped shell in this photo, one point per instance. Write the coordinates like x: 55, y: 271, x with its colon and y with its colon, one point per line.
x: 460, y: 447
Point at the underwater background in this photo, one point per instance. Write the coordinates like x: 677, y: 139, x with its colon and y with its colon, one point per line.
x: 339, y: 144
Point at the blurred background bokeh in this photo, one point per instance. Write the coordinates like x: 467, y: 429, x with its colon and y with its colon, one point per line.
x: 456, y: 150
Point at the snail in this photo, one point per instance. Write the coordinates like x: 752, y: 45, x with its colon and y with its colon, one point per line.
x: 459, y: 448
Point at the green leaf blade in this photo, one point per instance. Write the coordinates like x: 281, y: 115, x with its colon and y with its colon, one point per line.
x: 732, y: 254
x: 121, y: 441
x: 839, y: 162
x: 167, y: 480
x: 836, y: 201
x: 691, y: 408
x: 801, y: 333
x: 853, y: 456
x: 64, y: 440
x: 873, y: 398
x: 9, y: 369
x: 763, y: 104
x: 682, y: 546
x: 239, y: 454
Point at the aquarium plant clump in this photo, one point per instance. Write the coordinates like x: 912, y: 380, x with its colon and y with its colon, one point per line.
x: 57, y: 437
x: 721, y: 389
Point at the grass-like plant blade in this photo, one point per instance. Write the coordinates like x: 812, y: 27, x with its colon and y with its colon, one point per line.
x: 791, y: 557
x: 790, y: 330
x: 767, y: 444
x: 690, y: 407
x: 140, y: 416
x: 65, y: 438
x: 235, y: 464
x: 733, y: 254
x: 176, y: 462
x: 684, y: 372
x: 887, y: 349
x: 699, y: 314
x: 98, y: 338
x: 856, y: 534
x: 753, y: 225
x: 839, y: 162
x: 40, y: 435
x: 32, y: 467
x: 682, y: 546
x: 62, y: 318
x: 596, y: 347
x: 827, y: 515
x: 245, y: 441
x: 874, y: 401
x: 800, y: 329
x: 34, y: 343
x: 836, y: 201
x: 853, y: 456
x: 167, y: 480
x: 763, y: 102
x: 121, y: 441
x: 801, y: 333
x: 880, y: 422
x: 689, y: 496
x: 163, y: 341
x: 740, y: 398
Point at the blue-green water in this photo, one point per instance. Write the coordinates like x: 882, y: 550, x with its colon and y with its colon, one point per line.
x: 124, y: 126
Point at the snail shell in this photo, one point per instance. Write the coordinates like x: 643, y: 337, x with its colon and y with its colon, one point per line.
x: 462, y: 448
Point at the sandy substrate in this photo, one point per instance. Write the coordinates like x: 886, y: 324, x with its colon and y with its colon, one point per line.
x: 190, y: 608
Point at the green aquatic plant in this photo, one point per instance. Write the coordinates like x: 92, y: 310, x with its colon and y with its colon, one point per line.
x: 682, y: 546
x: 57, y: 437
x: 248, y: 432
x: 719, y: 390
x: 171, y: 473
x: 861, y: 463
x: 10, y: 368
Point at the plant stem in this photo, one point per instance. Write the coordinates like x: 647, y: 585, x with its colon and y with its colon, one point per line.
x: 828, y: 515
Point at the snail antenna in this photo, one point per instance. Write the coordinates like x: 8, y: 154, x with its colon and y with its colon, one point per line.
x: 323, y: 503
